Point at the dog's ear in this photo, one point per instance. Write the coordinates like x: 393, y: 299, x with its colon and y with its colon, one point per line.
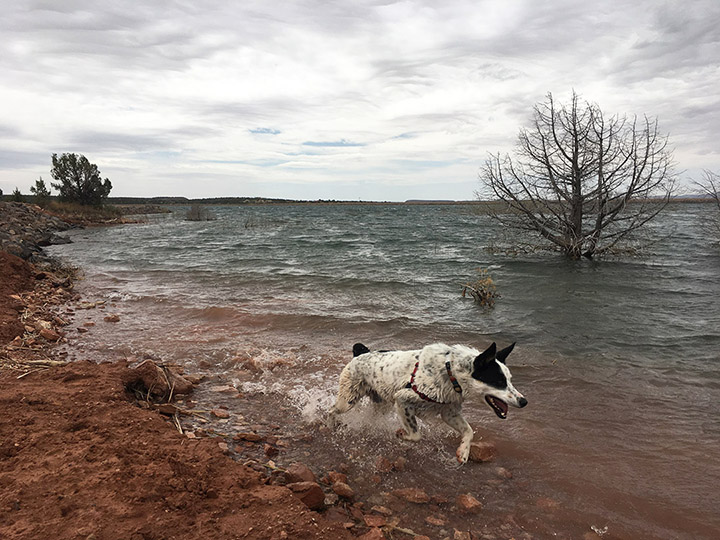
x: 502, y: 355
x: 359, y: 349
x: 484, y: 358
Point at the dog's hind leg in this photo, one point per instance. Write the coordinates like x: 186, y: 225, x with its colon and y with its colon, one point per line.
x: 454, y: 418
x: 406, y: 413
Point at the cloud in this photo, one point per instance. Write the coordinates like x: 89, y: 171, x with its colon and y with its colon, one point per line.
x: 226, y: 96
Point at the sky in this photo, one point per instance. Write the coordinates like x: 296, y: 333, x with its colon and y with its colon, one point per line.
x: 347, y: 99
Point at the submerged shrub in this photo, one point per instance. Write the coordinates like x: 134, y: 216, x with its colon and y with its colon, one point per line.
x: 482, y: 290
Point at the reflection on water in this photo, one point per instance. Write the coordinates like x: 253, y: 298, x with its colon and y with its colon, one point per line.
x: 618, y: 358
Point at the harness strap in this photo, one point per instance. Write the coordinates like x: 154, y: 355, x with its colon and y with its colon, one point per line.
x: 425, y: 397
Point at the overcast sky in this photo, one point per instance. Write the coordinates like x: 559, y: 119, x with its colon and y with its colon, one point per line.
x: 347, y: 99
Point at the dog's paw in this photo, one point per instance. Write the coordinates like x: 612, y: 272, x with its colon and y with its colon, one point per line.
x: 404, y: 435
x: 462, y: 454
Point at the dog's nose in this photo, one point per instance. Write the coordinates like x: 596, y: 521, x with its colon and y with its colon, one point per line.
x: 522, y: 402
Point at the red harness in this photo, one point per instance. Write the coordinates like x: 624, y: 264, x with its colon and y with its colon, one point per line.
x: 453, y: 380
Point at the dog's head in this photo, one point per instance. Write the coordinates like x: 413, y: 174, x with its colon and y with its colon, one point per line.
x: 492, y: 377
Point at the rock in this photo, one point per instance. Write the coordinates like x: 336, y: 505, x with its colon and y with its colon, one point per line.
x: 382, y: 510
x: 270, y: 450
x: 438, y: 521
x: 298, y: 472
x: 421, y: 537
x: 167, y: 409
x: 482, y: 451
x: 220, y: 413
x: 413, y: 495
x: 159, y: 382
x: 383, y: 465
x: 343, y: 490
x: 461, y: 535
x: 374, y: 521
x: 468, y: 503
x: 111, y: 318
x: 310, y: 493
x: 224, y: 447
x: 334, y: 476
x: 82, y: 329
x: 251, y: 437
x: 49, y: 334
x: 502, y: 472
x: 373, y: 534
x: 399, y: 464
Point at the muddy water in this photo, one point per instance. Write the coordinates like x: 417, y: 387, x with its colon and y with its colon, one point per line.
x: 618, y: 359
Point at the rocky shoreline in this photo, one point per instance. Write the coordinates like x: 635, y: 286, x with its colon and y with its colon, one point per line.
x: 97, y: 450
x: 25, y: 229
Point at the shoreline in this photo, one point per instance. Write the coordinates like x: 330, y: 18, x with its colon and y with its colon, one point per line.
x: 66, y: 423
x: 94, y: 458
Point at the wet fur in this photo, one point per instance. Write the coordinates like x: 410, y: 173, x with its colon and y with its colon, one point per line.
x: 384, y: 376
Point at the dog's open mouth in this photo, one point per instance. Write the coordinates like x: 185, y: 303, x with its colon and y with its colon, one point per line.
x: 497, y: 405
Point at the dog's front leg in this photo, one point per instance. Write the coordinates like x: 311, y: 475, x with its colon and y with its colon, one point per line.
x: 406, y: 413
x: 454, y: 418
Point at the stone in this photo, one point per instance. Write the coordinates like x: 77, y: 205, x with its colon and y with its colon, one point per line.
x: 373, y: 534
x: 112, y: 318
x: 399, y: 464
x: 49, y: 334
x: 502, y: 472
x: 383, y: 465
x: 334, y: 476
x: 461, y: 535
x: 438, y: 521
x: 374, y: 521
x: 270, y: 450
x: 343, y: 490
x: 248, y: 436
x: 413, y: 495
x: 468, y: 503
x: 310, y: 493
x: 382, y: 510
x: 220, y: 413
x: 299, y: 472
x: 160, y: 382
x: 482, y: 451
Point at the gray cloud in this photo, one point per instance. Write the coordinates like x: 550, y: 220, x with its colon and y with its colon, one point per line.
x: 223, y: 90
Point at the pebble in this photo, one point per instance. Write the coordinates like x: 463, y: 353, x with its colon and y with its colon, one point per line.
x: 482, y: 451
x: 468, y: 503
x: 220, y: 413
x: 343, y: 490
x: 413, y: 495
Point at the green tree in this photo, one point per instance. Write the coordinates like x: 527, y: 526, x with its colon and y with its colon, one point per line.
x: 580, y: 179
x: 17, y: 196
x: 41, y: 192
x: 78, y: 180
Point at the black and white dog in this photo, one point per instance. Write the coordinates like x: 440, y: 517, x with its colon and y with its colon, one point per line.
x: 436, y: 379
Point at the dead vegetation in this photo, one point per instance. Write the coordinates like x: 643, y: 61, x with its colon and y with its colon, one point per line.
x: 482, y: 290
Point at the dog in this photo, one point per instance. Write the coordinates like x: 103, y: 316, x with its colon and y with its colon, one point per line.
x: 435, y: 379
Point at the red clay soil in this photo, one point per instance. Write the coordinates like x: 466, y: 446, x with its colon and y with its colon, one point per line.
x: 16, y: 276
x: 78, y: 460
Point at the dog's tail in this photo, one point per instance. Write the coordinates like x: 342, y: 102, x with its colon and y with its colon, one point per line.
x: 359, y: 349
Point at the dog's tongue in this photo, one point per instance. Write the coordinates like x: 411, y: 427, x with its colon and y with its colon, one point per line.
x: 498, y: 405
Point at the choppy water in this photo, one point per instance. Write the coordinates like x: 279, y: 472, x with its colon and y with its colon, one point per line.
x: 619, y: 358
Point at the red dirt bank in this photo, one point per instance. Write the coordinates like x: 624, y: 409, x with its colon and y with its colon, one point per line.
x: 79, y: 461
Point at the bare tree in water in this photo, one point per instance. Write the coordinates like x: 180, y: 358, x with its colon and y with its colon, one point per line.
x: 710, y: 184
x: 580, y: 179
